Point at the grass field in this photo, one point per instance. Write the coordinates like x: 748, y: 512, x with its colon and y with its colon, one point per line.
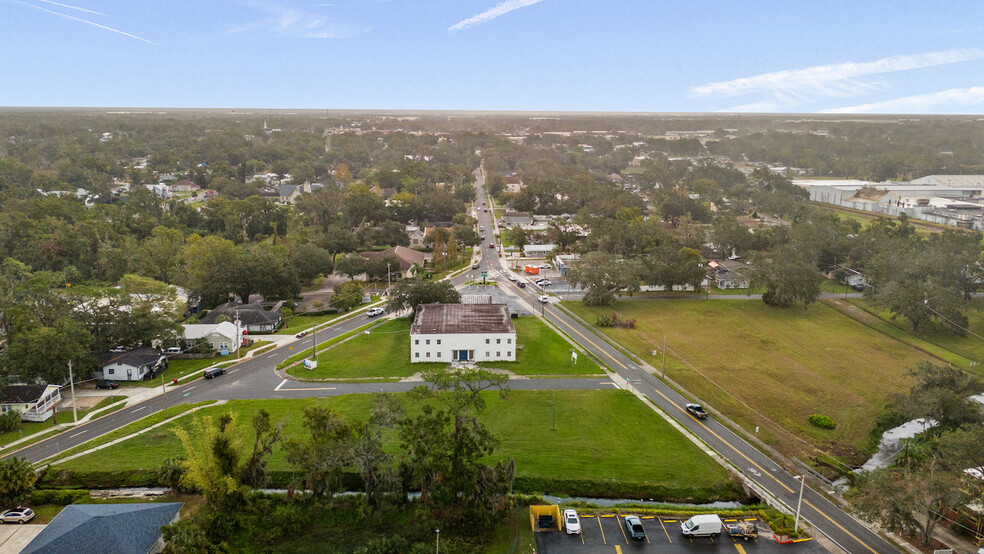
x: 787, y: 364
x: 599, y: 435
x: 385, y: 352
x: 968, y: 346
x: 297, y: 323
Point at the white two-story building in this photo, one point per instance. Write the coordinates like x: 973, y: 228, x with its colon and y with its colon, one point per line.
x: 463, y: 332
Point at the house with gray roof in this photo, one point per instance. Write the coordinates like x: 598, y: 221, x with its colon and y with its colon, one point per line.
x: 34, y: 402
x: 254, y: 317
x: 106, y: 529
x: 136, y: 364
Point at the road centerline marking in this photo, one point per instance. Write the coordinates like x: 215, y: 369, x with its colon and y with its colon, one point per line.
x: 77, y: 434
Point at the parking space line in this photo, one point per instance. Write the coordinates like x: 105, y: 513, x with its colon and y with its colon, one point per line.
x: 647, y: 517
x: 665, y: 532
x: 621, y: 528
x: 618, y: 549
x: 602, y: 532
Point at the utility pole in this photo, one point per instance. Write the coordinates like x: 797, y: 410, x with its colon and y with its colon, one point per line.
x: 663, y: 376
x: 314, y: 339
x: 388, y: 277
x: 164, y: 390
x: 71, y: 382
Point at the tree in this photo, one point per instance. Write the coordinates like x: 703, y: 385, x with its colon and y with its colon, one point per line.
x: 375, y: 465
x: 214, y: 449
x: 605, y: 276
x: 518, y: 236
x: 17, y: 478
x: 267, y: 435
x: 444, y: 447
x: 787, y: 278
x: 325, y: 454
x: 348, y: 295
x: 941, y: 393
x: 310, y: 261
x: 410, y: 294
x: 351, y: 265
x: 43, y: 352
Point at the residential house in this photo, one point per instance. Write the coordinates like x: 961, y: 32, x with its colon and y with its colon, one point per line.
x: 511, y: 219
x: 185, y: 185
x: 417, y: 236
x: 34, y: 402
x: 106, y: 529
x: 224, y: 338
x: 137, y: 364
x: 462, y: 332
x: 407, y: 258
x: 538, y: 250
x: 254, y: 317
x: 727, y: 274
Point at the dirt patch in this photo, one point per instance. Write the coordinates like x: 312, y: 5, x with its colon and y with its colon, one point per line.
x: 83, y: 403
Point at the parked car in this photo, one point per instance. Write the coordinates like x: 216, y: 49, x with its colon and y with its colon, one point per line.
x: 373, y: 312
x: 697, y: 411
x: 301, y: 335
x: 107, y: 384
x: 543, y: 298
x: 214, y: 372
x: 481, y: 227
x: 544, y: 283
x: 173, y: 350
x: 545, y: 266
x: 17, y: 515
x: 491, y: 245
x: 633, y: 526
x: 572, y: 524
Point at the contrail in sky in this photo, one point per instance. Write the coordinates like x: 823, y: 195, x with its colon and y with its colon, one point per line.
x: 501, y: 8
x: 73, y: 7
x: 86, y: 21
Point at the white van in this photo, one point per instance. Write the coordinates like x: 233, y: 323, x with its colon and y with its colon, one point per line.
x: 703, y: 525
x: 173, y: 350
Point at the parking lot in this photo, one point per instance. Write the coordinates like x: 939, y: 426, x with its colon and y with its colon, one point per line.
x: 605, y: 533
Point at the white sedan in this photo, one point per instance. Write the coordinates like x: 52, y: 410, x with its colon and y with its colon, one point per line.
x: 571, y: 522
x: 543, y: 298
x: 17, y: 515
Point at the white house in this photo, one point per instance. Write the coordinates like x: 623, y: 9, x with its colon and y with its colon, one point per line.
x: 221, y: 337
x: 34, y: 402
x: 462, y: 332
x: 134, y: 365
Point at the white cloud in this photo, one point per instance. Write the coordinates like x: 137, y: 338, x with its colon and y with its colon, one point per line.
x: 501, y: 8
x: 933, y: 102
x: 295, y: 23
x: 792, y: 87
x: 80, y: 20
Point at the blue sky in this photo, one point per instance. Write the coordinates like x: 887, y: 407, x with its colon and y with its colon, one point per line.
x: 542, y: 55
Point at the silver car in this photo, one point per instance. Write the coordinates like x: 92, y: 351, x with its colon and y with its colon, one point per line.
x: 17, y: 515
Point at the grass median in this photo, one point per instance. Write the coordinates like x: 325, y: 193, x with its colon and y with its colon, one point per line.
x: 578, y: 442
x: 744, y: 357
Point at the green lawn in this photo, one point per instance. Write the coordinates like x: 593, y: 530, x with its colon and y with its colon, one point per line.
x: 385, y: 352
x: 296, y: 324
x: 785, y: 363
x: 599, y: 436
x: 542, y: 351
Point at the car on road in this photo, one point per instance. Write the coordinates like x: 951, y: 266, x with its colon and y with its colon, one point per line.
x: 572, y: 523
x: 475, y: 266
x: 19, y: 514
x: 521, y: 285
x: 214, y: 372
x: 481, y: 227
x: 633, y: 527
x: 300, y: 335
x: 545, y: 266
x: 491, y: 245
x: 373, y: 312
x: 697, y: 411
x: 543, y: 298
x: 512, y: 277
x: 544, y: 282
x: 107, y: 384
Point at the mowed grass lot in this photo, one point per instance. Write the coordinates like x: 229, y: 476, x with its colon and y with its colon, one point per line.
x: 385, y: 352
x: 599, y: 435
x: 784, y: 363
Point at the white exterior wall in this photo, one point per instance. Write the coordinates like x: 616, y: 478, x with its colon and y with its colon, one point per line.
x: 487, y: 347
x: 119, y: 372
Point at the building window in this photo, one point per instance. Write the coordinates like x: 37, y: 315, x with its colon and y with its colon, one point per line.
x: 416, y: 342
x: 428, y: 341
x: 498, y: 354
x: 508, y: 341
x: 509, y: 354
x: 416, y: 354
x: 438, y: 354
x: 428, y: 354
x: 110, y: 371
x: 498, y: 341
x: 439, y: 341
x: 487, y: 354
x: 487, y: 341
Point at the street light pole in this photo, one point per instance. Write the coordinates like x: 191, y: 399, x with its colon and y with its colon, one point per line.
x: 799, y: 502
x: 71, y: 382
x: 164, y: 390
x: 438, y: 547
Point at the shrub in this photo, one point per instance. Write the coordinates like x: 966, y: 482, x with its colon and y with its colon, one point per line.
x: 59, y: 497
x: 10, y: 421
x: 171, y: 472
x: 822, y: 421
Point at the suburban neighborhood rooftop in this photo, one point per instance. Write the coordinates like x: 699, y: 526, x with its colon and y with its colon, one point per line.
x: 462, y: 318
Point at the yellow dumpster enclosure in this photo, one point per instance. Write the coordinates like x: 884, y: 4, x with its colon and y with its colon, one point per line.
x: 545, y: 518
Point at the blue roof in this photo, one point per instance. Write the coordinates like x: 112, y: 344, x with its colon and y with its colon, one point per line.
x: 105, y: 528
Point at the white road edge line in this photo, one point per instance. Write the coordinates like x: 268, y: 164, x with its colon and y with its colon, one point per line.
x: 191, y: 387
x: 138, y: 409
x: 282, y: 383
x: 77, y: 434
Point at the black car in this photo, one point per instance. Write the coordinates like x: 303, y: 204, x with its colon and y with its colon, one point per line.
x: 697, y: 411
x: 107, y: 384
x: 521, y: 285
x: 214, y: 372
